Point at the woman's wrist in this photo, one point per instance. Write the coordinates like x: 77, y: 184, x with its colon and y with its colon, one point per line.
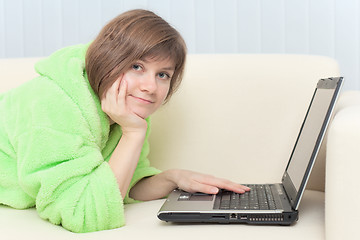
x: 171, y: 177
x: 154, y: 187
x: 134, y: 134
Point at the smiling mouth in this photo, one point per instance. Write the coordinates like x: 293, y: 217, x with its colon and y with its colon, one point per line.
x: 142, y: 99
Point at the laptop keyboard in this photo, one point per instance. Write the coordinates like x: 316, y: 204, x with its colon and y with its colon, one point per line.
x: 258, y: 198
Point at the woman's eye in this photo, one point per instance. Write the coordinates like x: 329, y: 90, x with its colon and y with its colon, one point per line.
x: 164, y: 76
x: 136, y: 67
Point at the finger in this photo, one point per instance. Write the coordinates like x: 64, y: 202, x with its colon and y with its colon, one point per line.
x: 237, y: 188
x: 112, y: 91
x: 119, y: 80
x: 232, y: 186
x: 122, y: 90
x: 200, y: 187
x: 225, y: 184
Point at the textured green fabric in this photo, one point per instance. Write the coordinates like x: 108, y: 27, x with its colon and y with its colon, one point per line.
x: 55, y: 142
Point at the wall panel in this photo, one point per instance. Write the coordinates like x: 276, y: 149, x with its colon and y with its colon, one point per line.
x: 249, y: 26
x: 226, y: 26
x: 32, y: 28
x: 272, y: 26
x: 347, y: 39
x: 182, y: 16
x: 204, y: 28
x: 90, y: 20
x: 13, y: 28
x: 2, y: 29
x: 322, y: 27
x: 71, y: 22
x: 296, y: 26
x: 52, y: 21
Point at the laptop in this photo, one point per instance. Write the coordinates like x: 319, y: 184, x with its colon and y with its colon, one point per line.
x: 276, y: 203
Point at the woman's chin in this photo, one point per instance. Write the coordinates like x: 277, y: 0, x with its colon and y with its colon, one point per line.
x: 142, y: 114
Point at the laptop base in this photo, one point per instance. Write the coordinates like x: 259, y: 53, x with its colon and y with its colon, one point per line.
x: 285, y: 218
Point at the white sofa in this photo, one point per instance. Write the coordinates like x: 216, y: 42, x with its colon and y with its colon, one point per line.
x: 235, y: 116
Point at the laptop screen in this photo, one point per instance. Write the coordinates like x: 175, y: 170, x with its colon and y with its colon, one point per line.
x: 309, y: 139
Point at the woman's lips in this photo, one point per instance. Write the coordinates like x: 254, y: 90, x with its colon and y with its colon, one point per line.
x: 143, y: 100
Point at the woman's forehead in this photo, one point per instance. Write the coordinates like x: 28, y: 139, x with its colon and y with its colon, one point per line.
x: 167, y: 62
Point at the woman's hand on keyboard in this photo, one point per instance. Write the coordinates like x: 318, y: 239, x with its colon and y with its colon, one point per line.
x: 197, y: 182
x: 160, y: 185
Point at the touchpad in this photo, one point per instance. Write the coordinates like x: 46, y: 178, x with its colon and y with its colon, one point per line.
x: 196, y: 197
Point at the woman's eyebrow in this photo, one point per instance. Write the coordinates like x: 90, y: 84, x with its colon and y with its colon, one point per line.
x: 168, y: 68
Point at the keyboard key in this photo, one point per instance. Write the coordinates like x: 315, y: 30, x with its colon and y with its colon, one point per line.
x: 259, y: 197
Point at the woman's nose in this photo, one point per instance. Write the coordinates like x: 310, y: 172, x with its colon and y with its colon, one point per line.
x: 149, y: 84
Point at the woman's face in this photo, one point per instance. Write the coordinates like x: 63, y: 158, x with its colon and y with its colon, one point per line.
x: 148, y: 85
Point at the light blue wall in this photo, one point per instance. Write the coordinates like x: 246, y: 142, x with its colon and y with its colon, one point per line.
x: 322, y: 27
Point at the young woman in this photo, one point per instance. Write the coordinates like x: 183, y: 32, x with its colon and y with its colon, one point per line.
x: 74, y: 141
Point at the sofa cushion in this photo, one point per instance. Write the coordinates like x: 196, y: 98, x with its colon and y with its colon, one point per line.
x: 142, y: 223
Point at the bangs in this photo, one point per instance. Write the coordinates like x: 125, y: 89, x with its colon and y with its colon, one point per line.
x: 168, y: 50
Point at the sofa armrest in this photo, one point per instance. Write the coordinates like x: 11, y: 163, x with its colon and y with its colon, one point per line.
x: 342, y: 165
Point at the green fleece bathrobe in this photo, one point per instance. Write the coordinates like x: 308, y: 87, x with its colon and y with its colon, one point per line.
x: 55, y: 144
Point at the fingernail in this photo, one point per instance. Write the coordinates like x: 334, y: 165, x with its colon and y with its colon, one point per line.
x: 214, y: 190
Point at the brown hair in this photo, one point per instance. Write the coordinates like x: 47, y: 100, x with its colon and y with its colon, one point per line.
x: 131, y: 36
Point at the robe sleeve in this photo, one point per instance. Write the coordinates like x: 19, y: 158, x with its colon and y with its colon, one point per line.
x: 72, y: 184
